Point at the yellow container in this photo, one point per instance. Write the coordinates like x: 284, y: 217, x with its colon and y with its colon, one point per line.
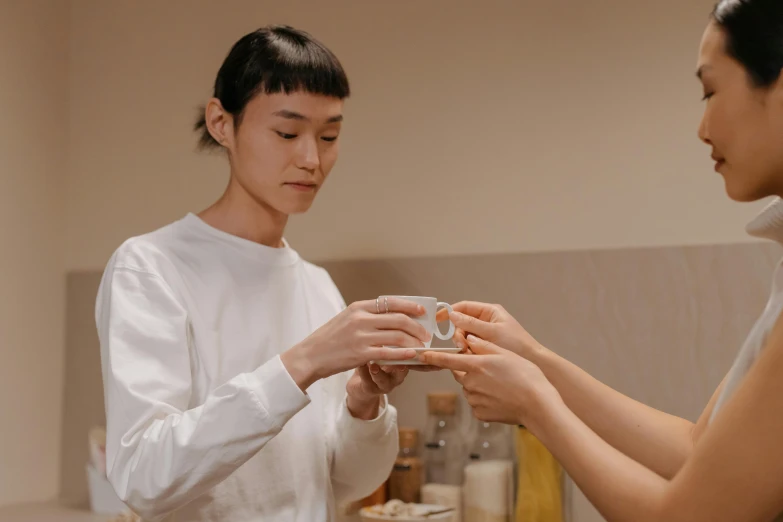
x: 539, y: 485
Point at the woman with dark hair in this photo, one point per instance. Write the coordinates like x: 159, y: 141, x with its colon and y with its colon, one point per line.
x: 225, y: 356
x: 633, y: 462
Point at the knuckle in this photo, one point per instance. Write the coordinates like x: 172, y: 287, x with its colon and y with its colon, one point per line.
x: 358, y: 340
x: 403, y: 321
x: 354, y: 317
x: 393, y: 320
x: 361, y: 319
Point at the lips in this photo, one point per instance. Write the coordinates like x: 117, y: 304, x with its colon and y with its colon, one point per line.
x: 719, y: 161
x: 302, y: 185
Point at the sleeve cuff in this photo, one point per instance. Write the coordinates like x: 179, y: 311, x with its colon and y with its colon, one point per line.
x: 277, y: 392
x: 368, y: 429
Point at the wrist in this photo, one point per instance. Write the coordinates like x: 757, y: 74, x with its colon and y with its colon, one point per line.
x: 362, y: 405
x: 356, y: 391
x: 299, y: 363
x: 537, y: 353
x: 540, y: 416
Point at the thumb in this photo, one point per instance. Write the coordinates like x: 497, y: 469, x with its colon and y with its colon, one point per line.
x: 482, y: 347
x: 442, y: 315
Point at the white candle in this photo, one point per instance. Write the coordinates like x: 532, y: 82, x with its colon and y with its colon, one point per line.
x: 488, y: 491
x: 444, y: 495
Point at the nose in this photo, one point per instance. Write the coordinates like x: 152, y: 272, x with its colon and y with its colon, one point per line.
x: 704, y: 134
x: 308, y: 157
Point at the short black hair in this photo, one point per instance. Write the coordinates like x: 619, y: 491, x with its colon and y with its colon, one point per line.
x: 754, y: 36
x: 273, y: 59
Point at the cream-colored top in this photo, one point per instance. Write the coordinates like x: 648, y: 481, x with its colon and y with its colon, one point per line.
x: 768, y: 225
x: 204, y: 422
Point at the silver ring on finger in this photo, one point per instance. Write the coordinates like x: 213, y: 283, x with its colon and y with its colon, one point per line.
x: 377, y: 305
x: 386, y: 304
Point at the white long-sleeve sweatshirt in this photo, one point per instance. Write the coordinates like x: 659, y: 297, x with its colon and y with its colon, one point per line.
x: 203, y: 420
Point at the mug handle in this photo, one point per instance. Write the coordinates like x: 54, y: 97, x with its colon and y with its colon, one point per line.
x: 451, y: 325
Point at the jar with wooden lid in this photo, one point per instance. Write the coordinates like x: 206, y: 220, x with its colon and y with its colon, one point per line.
x: 408, y: 474
x: 444, y: 454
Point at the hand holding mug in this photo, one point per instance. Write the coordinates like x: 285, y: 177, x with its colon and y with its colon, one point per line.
x: 492, y: 323
x: 427, y: 320
x: 365, y: 331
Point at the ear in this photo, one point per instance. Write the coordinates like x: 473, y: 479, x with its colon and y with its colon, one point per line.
x: 220, y: 123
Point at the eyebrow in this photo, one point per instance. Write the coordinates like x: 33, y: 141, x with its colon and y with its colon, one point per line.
x: 291, y: 115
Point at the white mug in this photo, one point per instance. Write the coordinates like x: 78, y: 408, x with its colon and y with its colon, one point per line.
x: 428, y: 320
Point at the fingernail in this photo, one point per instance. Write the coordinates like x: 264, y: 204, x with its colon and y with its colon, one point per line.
x: 410, y: 354
x: 374, y: 369
x: 459, y: 345
x: 472, y: 338
x: 420, y: 309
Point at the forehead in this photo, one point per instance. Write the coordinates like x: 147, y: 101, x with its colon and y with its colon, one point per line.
x: 314, y: 107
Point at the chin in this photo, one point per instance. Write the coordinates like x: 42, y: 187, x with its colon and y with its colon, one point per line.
x: 291, y: 204
x: 738, y: 196
x: 296, y: 211
x: 744, y: 193
x: 293, y: 208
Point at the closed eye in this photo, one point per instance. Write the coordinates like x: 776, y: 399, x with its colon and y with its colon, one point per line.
x: 708, y: 96
x: 286, y: 136
x: 329, y: 138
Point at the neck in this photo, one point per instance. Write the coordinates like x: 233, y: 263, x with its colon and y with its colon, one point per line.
x: 241, y: 215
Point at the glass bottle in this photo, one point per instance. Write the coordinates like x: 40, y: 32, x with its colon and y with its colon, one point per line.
x: 444, y: 452
x: 491, y: 441
x: 408, y: 473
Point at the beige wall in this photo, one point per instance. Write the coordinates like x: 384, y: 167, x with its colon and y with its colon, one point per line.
x: 514, y: 125
x: 500, y: 125
x: 33, y: 97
